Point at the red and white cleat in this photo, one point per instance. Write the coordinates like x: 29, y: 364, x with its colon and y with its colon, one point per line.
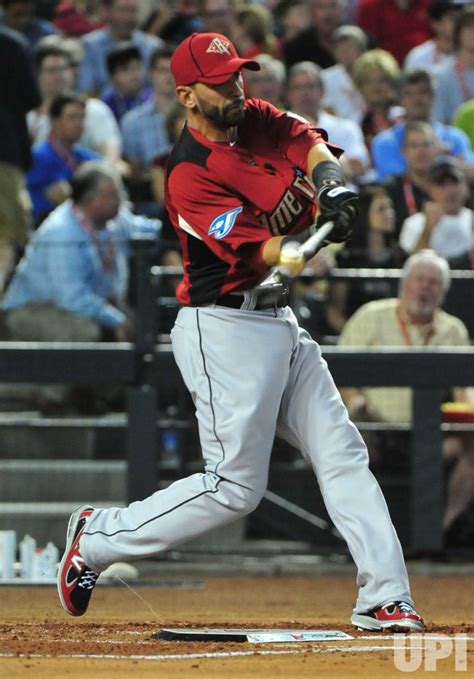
x: 396, y: 615
x: 75, y: 579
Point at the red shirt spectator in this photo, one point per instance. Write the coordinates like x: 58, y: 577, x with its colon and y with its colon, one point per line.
x: 396, y: 25
x: 69, y: 19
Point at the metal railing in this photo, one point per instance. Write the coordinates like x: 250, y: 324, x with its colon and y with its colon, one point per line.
x: 141, y: 366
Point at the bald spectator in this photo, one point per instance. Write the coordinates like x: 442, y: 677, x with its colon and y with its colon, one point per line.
x: 414, y: 319
x: 71, y: 283
x: 122, y: 25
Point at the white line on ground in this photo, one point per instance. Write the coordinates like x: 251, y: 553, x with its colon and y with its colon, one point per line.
x: 217, y: 654
x: 174, y: 656
x: 412, y: 635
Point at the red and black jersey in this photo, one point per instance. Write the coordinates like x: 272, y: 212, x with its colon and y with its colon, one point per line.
x: 225, y: 199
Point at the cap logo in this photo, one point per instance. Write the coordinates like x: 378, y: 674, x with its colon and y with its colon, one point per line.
x: 218, y: 46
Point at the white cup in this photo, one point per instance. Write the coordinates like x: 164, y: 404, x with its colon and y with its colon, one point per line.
x: 7, y: 554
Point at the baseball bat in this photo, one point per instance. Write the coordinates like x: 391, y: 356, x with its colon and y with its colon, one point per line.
x: 308, y: 249
x: 315, y: 242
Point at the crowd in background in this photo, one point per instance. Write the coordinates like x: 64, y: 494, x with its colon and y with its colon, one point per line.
x: 391, y: 81
x: 88, y: 116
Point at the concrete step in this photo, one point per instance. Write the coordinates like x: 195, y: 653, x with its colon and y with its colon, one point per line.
x: 30, y: 435
x: 47, y: 521
x: 17, y: 442
x: 62, y: 480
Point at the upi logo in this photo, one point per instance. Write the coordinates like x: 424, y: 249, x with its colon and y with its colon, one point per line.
x: 411, y: 651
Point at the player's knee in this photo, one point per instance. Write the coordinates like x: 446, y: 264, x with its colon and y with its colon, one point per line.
x: 245, y: 500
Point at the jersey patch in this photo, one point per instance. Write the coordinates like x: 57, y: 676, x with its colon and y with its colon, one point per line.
x: 223, y: 224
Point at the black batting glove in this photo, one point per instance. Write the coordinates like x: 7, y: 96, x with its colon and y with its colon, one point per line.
x: 341, y: 205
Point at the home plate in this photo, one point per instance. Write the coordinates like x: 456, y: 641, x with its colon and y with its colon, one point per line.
x: 251, y: 635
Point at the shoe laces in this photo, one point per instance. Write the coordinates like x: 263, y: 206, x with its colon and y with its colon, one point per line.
x: 405, y: 607
x: 88, y: 580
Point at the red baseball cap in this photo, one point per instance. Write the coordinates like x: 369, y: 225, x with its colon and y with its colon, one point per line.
x: 207, y: 58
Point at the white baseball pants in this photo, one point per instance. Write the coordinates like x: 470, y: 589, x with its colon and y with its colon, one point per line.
x: 251, y: 374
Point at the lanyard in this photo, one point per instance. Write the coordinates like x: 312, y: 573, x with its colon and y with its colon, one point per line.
x: 406, y: 332
x: 104, y: 249
x: 467, y: 93
x: 63, y: 152
x: 409, y: 196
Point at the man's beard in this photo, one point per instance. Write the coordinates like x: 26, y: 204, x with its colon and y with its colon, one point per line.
x: 224, y: 118
x: 420, y: 310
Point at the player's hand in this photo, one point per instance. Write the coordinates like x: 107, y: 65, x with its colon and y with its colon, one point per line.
x: 291, y: 262
x: 433, y: 214
x: 341, y: 205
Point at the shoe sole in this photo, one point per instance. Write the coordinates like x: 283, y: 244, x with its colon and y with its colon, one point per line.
x: 73, y: 519
x: 363, y: 622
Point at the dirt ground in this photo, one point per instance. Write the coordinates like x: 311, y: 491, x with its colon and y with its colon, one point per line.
x: 37, y: 639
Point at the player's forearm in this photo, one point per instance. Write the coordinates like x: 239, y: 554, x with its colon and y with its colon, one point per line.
x: 319, y: 154
x: 271, y: 251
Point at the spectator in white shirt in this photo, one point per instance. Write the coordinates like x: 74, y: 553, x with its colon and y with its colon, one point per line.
x: 305, y: 91
x: 439, y: 49
x: 341, y: 96
x: 445, y: 225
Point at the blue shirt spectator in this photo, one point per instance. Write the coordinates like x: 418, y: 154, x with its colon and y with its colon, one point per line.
x: 47, y: 169
x: 55, y: 160
x: 455, y: 86
x: 387, y: 148
x: 94, y: 76
x: 64, y: 264
x: 127, y: 88
x: 121, y: 105
x: 144, y: 135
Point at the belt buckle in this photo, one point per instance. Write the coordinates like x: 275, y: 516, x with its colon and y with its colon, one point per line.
x: 270, y: 295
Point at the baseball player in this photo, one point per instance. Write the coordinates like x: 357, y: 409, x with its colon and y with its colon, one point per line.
x: 243, y: 183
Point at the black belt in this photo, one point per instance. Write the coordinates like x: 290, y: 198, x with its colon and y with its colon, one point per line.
x: 271, y: 297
